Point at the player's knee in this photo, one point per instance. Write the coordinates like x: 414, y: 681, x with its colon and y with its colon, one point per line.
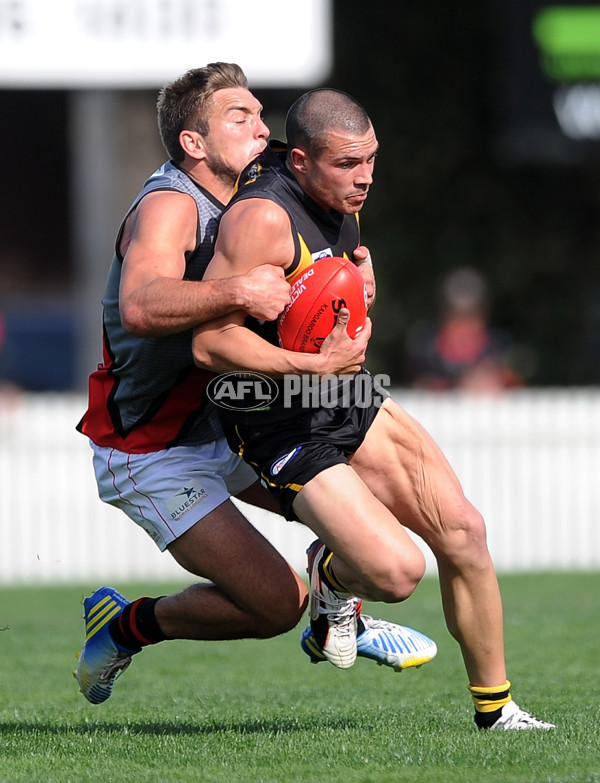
x: 399, y: 579
x: 464, y: 534
x: 281, y: 621
x: 471, y: 527
x: 285, y: 615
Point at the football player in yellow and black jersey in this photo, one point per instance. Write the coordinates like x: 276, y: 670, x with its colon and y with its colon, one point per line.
x: 357, y: 473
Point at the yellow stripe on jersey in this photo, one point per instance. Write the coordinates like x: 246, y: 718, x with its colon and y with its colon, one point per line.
x: 305, y: 261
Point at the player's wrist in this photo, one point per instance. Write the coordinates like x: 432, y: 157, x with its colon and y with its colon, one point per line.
x: 238, y: 293
x: 319, y: 364
x: 306, y: 363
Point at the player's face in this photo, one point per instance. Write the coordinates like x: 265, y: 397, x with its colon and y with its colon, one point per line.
x: 237, y: 132
x: 340, y: 177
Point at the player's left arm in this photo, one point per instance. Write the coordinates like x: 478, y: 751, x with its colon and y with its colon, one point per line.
x: 362, y: 259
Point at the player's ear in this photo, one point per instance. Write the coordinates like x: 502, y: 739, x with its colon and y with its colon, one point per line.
x: 192, y: 144
x: 298, y: 159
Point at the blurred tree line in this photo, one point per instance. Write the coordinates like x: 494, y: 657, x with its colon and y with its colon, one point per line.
x: 427, y: 73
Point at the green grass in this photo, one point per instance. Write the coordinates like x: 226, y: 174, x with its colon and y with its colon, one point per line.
x: 258, y: 711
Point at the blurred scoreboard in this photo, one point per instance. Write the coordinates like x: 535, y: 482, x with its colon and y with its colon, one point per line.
x: 83, y: 44
x: 548, y: 81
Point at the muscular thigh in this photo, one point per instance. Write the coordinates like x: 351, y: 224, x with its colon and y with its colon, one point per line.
x: 342, y: 511
x: 404, y: 467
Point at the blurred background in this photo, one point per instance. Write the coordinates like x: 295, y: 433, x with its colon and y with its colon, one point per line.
x: 483, y: 223
x: 489, y: 162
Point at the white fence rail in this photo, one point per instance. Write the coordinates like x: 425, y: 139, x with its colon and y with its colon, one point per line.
x: 529, y: 460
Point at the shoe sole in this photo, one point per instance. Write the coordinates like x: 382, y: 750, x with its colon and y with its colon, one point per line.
x: 414, y: 662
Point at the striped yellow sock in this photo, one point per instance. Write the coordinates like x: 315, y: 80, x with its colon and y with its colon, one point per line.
x: 332, y: 581
x: 489, y: 702
x: 330, y: 577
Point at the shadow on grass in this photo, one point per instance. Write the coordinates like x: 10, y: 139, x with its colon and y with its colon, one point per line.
x: 274, y: 726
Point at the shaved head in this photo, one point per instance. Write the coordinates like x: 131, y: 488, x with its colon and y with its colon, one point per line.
x: 318, y: 112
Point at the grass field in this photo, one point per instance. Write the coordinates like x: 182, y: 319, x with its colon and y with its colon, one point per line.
x: 258, y: 711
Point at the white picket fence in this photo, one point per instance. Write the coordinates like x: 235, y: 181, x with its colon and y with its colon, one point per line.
x: 529, y: 460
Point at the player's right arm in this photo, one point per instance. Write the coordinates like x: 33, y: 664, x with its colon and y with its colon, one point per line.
x: 154, y: 298
x: 251, y: 233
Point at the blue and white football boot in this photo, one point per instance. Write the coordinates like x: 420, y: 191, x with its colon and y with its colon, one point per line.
x: 101, y: 660
x: 388, y: 644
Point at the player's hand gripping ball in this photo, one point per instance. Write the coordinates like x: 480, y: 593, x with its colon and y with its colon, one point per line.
x: 317, y: 296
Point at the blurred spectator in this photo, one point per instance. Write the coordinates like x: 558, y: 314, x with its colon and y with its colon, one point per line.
x: 462, y: 350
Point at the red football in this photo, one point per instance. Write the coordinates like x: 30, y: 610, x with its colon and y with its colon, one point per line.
x: 317, y: 296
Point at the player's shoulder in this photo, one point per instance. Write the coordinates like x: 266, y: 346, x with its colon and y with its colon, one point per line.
x: 256, y: 232
x: 166, y: 205
x: 259, y: 213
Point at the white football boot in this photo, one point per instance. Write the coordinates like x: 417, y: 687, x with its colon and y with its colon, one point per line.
x: 513, y: 718
x: 332, y: 615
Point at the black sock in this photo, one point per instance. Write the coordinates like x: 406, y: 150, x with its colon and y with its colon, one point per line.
x: 483, y: 720
x: 327, y: 574
x: 137, y: 626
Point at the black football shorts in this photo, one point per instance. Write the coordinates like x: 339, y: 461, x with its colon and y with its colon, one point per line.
x: 286, y: 454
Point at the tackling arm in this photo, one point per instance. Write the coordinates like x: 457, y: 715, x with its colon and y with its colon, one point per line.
x: 226, y: 344
x: 154, y: 298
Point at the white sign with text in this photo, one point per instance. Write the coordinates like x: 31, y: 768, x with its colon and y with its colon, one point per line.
x: 145, y: 43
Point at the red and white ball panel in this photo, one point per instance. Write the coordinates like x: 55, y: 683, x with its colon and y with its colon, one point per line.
x: 317, y: 296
